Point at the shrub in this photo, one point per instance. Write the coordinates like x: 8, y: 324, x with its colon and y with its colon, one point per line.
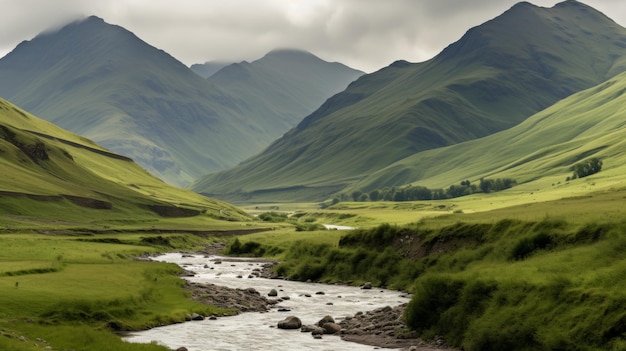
x: 526, y: 246
x: 251, y: 248
x: 432, y: 297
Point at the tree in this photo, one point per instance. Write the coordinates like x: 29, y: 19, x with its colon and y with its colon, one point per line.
x: 486, y: 185
x: 587, y: 168
x: 375, y: 195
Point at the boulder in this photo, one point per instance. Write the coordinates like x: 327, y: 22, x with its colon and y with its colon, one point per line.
x: 326, y: 319
x: 331, y: 328
x: 181, y: 349
x: 272, y: 292
x: 197, y: 317
x: 252, y: 291
x: 367, y: 286
x: 291, y: 322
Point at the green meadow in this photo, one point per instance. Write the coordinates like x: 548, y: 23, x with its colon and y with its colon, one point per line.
x: 75, y: 291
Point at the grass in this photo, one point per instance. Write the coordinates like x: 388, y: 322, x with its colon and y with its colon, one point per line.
x: 96, y: 287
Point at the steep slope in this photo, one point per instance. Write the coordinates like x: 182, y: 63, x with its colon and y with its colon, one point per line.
x: 591, y: 123
x: 494, y: 77
x: 49, y: 173
x: 101, y: 81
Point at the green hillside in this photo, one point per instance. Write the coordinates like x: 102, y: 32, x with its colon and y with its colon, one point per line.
x: 101, y: 81
x: 585, y: 125
x: 55, y: 179
x: 497, y: 75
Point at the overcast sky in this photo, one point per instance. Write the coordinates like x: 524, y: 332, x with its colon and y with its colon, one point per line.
x: 364, y: 34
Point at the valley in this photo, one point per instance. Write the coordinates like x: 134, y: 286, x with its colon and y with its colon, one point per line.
x: 113, y: 152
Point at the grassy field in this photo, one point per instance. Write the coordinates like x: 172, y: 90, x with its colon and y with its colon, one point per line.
x: 72, y: 291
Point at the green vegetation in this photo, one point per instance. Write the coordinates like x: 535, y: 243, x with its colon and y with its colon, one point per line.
x: 545, y: 275
x: 73, y: 292
x: 53, y: 179
x: 414, y: 193
x: 587, y: 168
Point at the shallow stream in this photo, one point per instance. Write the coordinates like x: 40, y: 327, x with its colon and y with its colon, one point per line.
x: 257, y: 331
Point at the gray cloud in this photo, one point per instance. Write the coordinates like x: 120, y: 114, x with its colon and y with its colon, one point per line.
x: 365, y: 34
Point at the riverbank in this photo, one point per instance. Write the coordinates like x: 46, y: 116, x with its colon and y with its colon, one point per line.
x: 382, y: 327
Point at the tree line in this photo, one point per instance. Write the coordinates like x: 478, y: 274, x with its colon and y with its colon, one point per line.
x: 414, y: 193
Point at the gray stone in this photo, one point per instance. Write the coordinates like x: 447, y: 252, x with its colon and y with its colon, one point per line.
x: 326, y: 319
x: 331, y: 328
x: 291, y: 322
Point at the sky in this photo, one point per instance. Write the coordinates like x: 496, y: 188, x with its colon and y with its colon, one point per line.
x: 363, y: 34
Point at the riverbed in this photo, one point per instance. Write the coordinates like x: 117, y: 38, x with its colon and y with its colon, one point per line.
x: 257, y: 331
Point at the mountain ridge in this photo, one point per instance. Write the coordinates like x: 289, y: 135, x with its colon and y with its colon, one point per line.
x: 104, y: 82
x: 483, y: 83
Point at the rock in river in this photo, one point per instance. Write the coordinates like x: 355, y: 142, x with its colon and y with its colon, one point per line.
x: 291, y: 322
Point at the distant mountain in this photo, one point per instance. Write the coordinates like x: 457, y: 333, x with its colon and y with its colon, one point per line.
x: 207, y: 69
x: 286, y: 84
x: 54, y: 176
x: 497, y: 75
x: 101, y: 81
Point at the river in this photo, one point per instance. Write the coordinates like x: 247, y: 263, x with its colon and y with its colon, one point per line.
x: 257, y: 331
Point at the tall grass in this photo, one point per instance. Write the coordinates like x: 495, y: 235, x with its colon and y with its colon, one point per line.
x: 510, y: 284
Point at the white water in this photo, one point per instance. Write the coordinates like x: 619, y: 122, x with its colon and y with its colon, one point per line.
x: 338, y: 227
x: 257, y: 331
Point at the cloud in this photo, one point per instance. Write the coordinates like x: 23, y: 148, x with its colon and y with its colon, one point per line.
x: 365, y: 34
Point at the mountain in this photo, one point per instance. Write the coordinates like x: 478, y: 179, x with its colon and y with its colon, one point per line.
x: 207, y: 69
x: 497, y: 75
x: 287, y: 84
x: 58, y: 178
x: 101, y: 81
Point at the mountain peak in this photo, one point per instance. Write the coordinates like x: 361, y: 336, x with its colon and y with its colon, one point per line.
x: 286, y: 53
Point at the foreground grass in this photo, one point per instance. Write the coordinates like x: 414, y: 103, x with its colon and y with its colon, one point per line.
x: 75, y: 291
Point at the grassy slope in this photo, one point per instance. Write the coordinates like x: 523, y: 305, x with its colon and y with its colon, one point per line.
x: 75, y: 166
x: 587, y: 124
x: 497, y: 75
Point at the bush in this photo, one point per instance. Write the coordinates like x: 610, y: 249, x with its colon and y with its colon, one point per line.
x: 251, y: 248
x: 432, y: 297
x: 587, y: 168
x: 526, y: 246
